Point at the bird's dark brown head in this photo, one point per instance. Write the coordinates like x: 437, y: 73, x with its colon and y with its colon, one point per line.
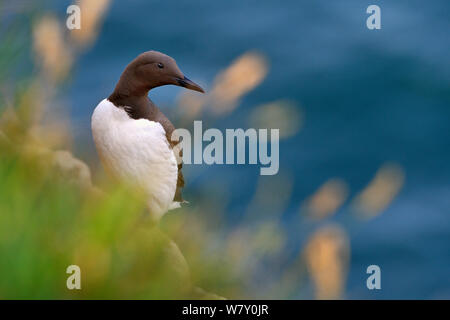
x: 153, y: 69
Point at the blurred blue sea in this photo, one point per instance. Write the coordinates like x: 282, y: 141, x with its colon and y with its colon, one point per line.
x: 367, y: 98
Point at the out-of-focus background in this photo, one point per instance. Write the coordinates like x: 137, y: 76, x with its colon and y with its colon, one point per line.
x: 364, y: 153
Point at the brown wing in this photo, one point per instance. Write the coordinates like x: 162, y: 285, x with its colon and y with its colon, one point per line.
x: 169, y: 128
x: 180, y: 185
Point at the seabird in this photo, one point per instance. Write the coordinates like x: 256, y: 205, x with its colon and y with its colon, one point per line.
x: 133, y: 137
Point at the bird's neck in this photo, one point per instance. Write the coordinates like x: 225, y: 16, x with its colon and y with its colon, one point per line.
x: 133, y: 100
x: 127, y: 88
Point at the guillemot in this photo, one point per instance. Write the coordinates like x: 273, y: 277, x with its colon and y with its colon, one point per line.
x: 134, y: 138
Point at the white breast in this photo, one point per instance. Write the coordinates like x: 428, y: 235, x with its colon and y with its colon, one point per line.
x: 138, y: 152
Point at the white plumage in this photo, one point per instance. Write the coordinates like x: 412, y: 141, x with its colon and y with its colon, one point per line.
x: 137, y: 151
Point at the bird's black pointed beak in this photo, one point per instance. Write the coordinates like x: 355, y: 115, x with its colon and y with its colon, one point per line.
x: 189, y: 84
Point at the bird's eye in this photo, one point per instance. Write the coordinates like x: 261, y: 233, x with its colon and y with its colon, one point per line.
x: 160, y: 65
